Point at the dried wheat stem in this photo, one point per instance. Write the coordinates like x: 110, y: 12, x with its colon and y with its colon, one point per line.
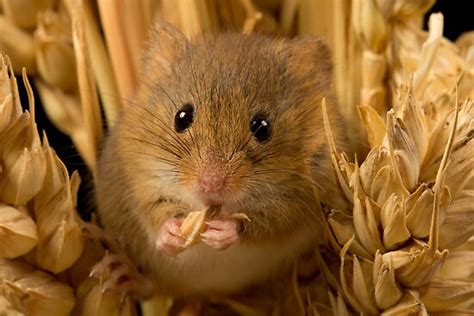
x: 106, y: 82
x: 288, y: 13
x: 194, y: 17
x: 135, y: 28
x: 169, y: 12
x: 88, y: 92
x: 112, y: 17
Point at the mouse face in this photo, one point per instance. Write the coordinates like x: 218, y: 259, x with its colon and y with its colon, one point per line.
x: 228, y: 120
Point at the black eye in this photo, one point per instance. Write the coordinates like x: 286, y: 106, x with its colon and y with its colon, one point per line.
x: 260, y: 128
x: 184, y: 118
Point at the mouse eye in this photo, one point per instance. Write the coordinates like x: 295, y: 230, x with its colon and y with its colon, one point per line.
x: 260, y: 128
x: 184, y: 118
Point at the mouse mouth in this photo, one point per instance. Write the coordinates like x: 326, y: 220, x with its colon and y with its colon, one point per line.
x: 213, y: 200
x: 221, y: 201
x: 211, y: 192
x: 215, y: 185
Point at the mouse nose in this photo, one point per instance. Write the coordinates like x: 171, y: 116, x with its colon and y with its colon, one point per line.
x: 211, y: 181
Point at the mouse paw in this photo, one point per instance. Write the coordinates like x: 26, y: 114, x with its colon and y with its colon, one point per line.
x: 221, y: 233
x: 118, y: 274
x: 169, y: 239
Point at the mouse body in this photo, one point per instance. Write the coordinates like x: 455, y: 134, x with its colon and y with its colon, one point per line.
x: 227, y: 120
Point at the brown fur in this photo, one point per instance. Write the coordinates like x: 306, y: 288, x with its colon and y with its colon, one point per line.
x: 148, y: 172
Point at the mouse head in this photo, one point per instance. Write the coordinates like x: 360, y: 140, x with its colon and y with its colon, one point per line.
x: 228, y: 119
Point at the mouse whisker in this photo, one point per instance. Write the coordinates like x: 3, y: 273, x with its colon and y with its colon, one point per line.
x: 263, y: 156
x: 276, y: 148
x: 157, y: 85
x: 262, y: 195
x: 164, y: 128
x: 293, y: 172
x: 233, y: 172
x: 177, y: 148
x: 157, y: 145
x: 195, y: 143
x: 163, y: 125
x: 247, y: 141
x: 174, y: 171
x: 161, y: 159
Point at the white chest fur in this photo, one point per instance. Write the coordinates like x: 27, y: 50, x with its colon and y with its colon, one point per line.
x: 203, y: 269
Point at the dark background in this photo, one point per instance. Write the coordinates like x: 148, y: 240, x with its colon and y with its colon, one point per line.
x: 458, y: 17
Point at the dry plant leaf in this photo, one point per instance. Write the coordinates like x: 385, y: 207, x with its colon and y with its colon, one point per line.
x: 23, y: 161
x: 61, y: 239
x: 34, y: 292
x: 388, y: 291
x: 444, y: 294
x: 10, y: 107
x: 374, y: 125
x: 91, y: 300
x: 18, y: 231
x: 410, y: 304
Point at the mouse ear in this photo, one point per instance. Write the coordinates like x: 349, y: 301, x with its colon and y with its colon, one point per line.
x: 165, y: 44
x: 309, y: 58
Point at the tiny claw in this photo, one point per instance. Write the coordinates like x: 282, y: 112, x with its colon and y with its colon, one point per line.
x: 92, y: 274
x: 117, y: 273
x: 105, y: 290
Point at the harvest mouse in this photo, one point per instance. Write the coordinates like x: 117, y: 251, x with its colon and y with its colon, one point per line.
x: 227, y: 120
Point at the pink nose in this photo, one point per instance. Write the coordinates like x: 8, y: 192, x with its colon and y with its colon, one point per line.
x: 211, y: 181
